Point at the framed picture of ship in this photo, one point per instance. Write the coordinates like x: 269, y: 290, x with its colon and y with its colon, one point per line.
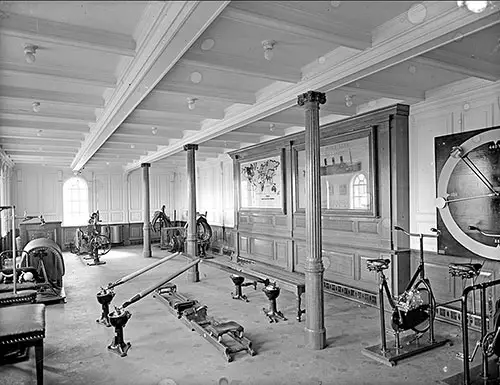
x: 347, y: 175
x: 261, y: 184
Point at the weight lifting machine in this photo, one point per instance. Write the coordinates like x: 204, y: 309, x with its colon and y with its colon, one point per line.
x: 119, y: 318
x: 106, y: 294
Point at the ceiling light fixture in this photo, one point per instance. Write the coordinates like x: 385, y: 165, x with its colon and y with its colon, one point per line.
x: 271, y: 127
x: 29, y: 53
x: 268, y: 46
x: 132, y: 145
x: 348, y: 100
x: 196, y: 77
x: 474, y: 6
x: 154, y: 130
x: 207, y: 44
x: 335, y: 4
x: 39, y: 133
x: 36, y: 106
x: 191, y: 103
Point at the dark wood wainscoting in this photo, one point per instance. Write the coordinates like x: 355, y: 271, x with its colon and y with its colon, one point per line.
x: 274, y: 232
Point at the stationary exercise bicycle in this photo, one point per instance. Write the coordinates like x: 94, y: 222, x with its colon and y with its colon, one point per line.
x: 414, y: 310
x: 489, y: 342
x: 92, y: 241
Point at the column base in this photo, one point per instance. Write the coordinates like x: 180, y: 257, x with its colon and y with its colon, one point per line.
x: 146, y: 253
x: 193, y: 274
x: 315, y: 339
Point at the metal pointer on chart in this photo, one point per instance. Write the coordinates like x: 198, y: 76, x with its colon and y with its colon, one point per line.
x: 442, y: 202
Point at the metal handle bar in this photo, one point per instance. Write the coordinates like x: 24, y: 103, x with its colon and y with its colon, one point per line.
x: 475, y: 228
x: 419, y: 235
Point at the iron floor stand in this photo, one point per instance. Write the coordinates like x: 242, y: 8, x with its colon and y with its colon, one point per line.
x: 409, y: 347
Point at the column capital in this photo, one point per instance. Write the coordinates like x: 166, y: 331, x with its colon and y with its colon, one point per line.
x: 145, y: 164
x: 190, y: 147
x: 311, y: 97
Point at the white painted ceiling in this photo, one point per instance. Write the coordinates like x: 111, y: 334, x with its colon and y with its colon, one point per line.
x: 106, y: 73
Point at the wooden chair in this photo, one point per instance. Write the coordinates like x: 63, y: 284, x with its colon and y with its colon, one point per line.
x: 24, y: 325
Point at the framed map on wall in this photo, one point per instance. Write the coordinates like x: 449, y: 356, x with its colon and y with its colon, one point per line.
x: 347, y: 176
x: 261, y: 183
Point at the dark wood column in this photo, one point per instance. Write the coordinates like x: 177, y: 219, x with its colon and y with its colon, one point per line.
x: 146, y: 229
x: 315, y: 332
x: 193, y: 273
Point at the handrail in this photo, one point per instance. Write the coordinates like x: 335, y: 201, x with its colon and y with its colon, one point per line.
x: 419, y: 235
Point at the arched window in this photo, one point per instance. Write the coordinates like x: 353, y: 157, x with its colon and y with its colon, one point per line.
x: 360, y: 197
x: 75, y: 202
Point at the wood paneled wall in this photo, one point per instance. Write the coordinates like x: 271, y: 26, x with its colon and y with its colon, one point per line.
x: 348, y: 240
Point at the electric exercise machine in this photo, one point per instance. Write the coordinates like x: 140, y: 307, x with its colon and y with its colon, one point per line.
x: 413, y: 310
x: 106, y: 294
x: 226, y: 337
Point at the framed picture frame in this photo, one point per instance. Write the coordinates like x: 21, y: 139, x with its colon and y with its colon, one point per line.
x: 348, y: 177
x: 262, y: 183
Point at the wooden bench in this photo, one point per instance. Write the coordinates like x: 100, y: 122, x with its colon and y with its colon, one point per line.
x: 259, y: 273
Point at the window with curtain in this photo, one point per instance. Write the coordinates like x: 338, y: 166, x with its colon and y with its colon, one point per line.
x: 75, y: 202
x: 360, y: 197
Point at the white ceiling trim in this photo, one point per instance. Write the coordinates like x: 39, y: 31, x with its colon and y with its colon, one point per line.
x: 31, y: 95
x: 61, y: 33
x: 461, y: 64
x: 336, y: 37
x: 180, y: 24
x: 410, y: 43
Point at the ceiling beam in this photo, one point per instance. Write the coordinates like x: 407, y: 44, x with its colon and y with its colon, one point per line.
x: 242, y: 66
x: 44, y: 153
x: 240, y: 137
x: 221, y: 144
x: 97, y: 79
x: 60, y: 116
x: 117, y: 138
x: 179, y: 106
x: 166, y: 126
x: 443, y: 22
x: 201, y: 91
x: 377, y: 90
x: 42, y: 30
x: 339, y: 37
x: 161, y: 135
x: 464, y: 65
x: 40, y: 141
x: 178, y: 25
x: 263, y: 128
x: 41, y: 96
x: 123, y: 147
x: 6, y: 133
x: 46, y: 126
x: 33, y: 147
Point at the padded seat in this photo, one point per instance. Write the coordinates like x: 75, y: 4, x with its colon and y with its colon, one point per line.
x: 25, y: 296
x: 9, y: 287
x: 377, y: 264
x: 24, y: 325
x: 226, y: 327
x: 465, y: 270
